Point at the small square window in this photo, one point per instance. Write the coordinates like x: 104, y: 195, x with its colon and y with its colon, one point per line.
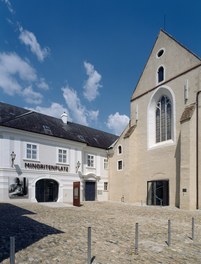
x: 62, y: 155
x: 120, y: 165
x: 90, y: 161
x: 105, y: 186
x: 31, y: 151
x: 105, y: 164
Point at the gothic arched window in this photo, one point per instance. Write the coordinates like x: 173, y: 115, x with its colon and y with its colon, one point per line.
x: 160, y: 74
x: 119, y: 149
x: 163, y: 119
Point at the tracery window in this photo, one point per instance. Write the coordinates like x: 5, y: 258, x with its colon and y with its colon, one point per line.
x: 163, y: 119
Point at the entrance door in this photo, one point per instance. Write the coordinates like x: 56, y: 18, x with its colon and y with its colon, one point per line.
x: 90, y: 190
x: 47, y: 190
x: 76, y: 193
x: 158, y: 192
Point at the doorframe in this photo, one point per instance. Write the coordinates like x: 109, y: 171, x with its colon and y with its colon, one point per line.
x: 50, y: 179
x: 90, y: 180
x: 168, y: 191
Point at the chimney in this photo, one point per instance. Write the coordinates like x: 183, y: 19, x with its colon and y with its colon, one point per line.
x: 64, y: 118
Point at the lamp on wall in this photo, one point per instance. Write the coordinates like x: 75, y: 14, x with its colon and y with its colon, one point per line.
x: 13, y: 156
x: 77, y: 166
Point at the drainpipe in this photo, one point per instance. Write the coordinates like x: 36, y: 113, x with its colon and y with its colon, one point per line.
x: 197, y: 151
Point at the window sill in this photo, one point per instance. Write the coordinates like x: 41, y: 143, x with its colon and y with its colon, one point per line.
x: 62, y: 164
x: 162, y: 144
x: 31, y: 160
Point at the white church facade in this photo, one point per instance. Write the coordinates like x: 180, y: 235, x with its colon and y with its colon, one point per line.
x: 157, y: 159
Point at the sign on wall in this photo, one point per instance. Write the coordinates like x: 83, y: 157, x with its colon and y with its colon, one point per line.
x: 18, y: 187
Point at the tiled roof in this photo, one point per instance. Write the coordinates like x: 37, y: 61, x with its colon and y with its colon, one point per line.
x: 31, y: 121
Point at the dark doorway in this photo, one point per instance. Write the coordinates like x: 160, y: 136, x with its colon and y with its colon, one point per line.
x: 158, y: 192
x: 47, y: 190
x: 90, y: 190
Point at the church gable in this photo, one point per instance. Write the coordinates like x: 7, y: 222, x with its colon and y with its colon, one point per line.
x: 168, y: 59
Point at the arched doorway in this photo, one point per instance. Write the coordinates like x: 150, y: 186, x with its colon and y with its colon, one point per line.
x: 47, y: 190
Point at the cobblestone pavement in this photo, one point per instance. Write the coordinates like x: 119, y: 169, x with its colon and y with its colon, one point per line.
x: 48, y: 234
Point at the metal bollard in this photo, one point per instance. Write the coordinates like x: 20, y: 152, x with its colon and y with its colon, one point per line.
x: 193, y: 228
x: 12, y: 250
x: 136, y: 238
x: 89, y: 246
x: 169, y: 233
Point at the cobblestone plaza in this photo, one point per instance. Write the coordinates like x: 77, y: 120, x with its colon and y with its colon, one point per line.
x: 57, y: 233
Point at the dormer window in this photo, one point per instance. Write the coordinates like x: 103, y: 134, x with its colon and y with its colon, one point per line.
x: 160, y: 74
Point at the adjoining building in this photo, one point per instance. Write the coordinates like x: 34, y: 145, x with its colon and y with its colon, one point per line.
x: 157, y: 159
x: 42, y: 158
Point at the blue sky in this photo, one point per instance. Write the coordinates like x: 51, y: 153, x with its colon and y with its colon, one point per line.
x: 85, y: 57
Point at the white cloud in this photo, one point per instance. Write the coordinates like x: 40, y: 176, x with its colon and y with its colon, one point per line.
x: 93, y: 115
x: 117, y: 123
x: 9, y: 6
x: 92, y: 85
x: 13, y: 70
x: 29, y: 39
x: 17, y: 77
x: 79, y: 112
x: 42, y: 84
x: 74, y: 104
x: 31, y: 96
x: 55, y: 110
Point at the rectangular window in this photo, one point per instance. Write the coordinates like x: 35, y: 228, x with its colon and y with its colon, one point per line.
x: 62, y: 155
x: 31, y: 151
x: 90, y: 161
x: 105, y: 186
x: 120, y: 165
x: 105, y: 164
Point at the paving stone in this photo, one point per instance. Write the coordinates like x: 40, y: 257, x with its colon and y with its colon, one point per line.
x: 45, y: 233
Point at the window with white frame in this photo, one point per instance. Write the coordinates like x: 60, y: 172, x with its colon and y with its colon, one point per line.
x: 105, y: 186
x: 90, y: 161
x: 161, y: 73
x: 163, y: 119
x: 62, y: 155
x: 31, y: 151
x: 119, y: 165
x: 105, y: 164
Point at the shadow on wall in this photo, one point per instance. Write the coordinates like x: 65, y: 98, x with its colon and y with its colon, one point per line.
x: 178, y: 165
x: 14, y: 222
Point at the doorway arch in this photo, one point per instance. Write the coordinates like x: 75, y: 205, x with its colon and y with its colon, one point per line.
x: 46, y: 190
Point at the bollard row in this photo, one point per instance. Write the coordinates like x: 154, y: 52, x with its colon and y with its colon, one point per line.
x: 169, y: 234
x: 89, y: 258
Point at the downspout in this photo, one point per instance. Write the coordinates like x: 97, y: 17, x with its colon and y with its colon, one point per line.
x: 197, y: 151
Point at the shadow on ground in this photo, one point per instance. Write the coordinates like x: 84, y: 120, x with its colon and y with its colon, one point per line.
x: 14, y: 222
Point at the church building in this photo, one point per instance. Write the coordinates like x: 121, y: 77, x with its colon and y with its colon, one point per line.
x: 157, y: 159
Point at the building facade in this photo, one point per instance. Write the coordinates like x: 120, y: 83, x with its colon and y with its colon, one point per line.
x: 43, y: 157
x: 157, y: 159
